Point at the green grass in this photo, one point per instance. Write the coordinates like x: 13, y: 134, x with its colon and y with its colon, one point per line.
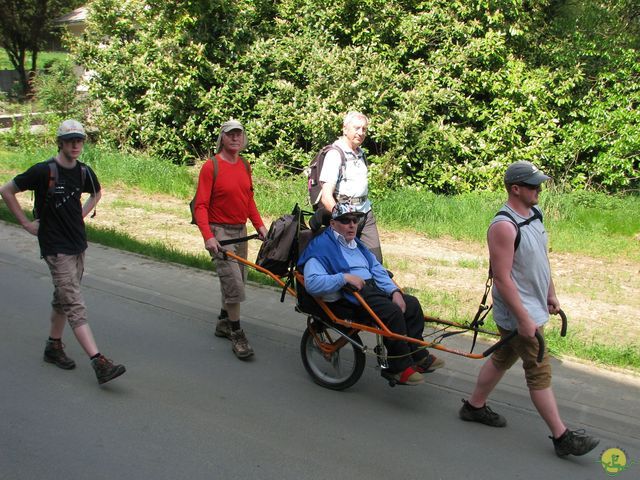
x: 463, y: 217
x: 586, y: 223
x: 140, y: 171
x: 620, y: 356
x: 122, y: 241
x: 625, y: 356
x: 43, y: 59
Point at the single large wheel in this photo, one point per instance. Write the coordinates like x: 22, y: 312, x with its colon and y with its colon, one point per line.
x: 336, y: 370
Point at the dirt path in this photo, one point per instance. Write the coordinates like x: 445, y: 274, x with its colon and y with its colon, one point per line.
x: 601, y: 297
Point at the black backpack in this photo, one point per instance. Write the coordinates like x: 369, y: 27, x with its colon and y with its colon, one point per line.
x: 279, y: 250
x: 53, y: 181
x: 537, y: 214
x: 192, y: 203
x: 314, y: 170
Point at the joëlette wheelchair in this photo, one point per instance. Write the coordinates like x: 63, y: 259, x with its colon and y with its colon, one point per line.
x: 331, y: 347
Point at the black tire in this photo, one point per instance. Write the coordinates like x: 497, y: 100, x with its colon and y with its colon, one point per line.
x: 339, y: 372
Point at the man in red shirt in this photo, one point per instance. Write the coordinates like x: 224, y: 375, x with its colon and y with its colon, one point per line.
x: 224, y: 202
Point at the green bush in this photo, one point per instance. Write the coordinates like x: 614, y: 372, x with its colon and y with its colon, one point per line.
x: 56, y: 91
x: 454, y: 89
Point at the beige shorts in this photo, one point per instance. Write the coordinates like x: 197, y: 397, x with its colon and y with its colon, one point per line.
x: 538, y: 375
x: 232, y: 275
x: 66, y: 273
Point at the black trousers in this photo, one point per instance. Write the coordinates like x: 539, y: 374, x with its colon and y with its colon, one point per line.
x: 410, y: 323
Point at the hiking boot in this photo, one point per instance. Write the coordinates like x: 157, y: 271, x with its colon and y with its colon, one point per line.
x: 429, y: 364
x: 240, y: 344
x: 574, y: 442
x: 481, y: 415
x: 54, y: 353
x: 223, y: 328
x: 106, y: 370
x: 409, y: 376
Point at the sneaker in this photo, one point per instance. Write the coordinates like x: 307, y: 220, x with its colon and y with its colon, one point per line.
x: 106, y: 370
x: 240, y: 344
x: 410, y: 376
x: 54, y: 353
x: 223, y: 329
x: 429, y: 363
x: 481, y: 415
x: 574, y: 442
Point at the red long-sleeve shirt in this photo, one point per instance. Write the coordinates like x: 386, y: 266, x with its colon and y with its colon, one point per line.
x: 229, y: 201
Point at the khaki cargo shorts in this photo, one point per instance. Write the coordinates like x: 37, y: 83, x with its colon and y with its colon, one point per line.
x: 66, y: 273
x: 538, y: 375
x: 232, y: 275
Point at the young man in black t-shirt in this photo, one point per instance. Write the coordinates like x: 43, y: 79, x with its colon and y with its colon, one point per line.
x: 58, y: 184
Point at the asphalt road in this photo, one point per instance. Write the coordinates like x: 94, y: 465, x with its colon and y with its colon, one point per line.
x: 187, y: 408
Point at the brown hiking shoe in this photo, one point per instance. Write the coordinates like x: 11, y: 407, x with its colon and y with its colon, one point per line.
x: 54, y: 353
x: 223, y: 329
x: 240, y: 344
x: 106, y: 370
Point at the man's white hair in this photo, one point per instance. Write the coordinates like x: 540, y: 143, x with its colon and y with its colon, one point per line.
x: 352, y: 116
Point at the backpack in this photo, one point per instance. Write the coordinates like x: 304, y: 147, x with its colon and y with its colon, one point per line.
x: 192, y: 203
x: 537, y: 214
x: 314, y: 170
x: 279, y: 250
x: 53, y: 181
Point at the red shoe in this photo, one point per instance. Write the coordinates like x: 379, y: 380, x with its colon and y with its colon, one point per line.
x: 410, y: 376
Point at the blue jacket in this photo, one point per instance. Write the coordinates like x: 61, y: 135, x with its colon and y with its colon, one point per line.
x: 324, y: 276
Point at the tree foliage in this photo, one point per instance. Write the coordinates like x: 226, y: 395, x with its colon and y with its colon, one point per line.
x: 455, y: 89
x: 24, y: 26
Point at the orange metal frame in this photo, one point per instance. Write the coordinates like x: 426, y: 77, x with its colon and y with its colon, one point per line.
x: 379, y: 329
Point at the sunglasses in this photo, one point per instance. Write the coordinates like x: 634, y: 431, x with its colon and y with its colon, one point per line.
x: 348, y: 220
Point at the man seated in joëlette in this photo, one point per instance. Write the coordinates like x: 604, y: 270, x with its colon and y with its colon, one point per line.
x: 336, y: 259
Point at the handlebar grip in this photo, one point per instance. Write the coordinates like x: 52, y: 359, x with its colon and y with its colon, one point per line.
x: 563, y: 329
x: 238, y: 240
x: 497, y: 345
x: 540, y: 346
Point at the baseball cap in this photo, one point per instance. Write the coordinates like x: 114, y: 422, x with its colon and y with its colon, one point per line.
x: 341, y: 209
x: 227, y: 127
x: 71, y: 129
x: 524, y: 172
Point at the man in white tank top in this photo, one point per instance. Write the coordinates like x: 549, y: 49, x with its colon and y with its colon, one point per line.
x: 524, y: 296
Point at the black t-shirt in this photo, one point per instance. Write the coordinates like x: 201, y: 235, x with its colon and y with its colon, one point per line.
x: 60, y: 213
